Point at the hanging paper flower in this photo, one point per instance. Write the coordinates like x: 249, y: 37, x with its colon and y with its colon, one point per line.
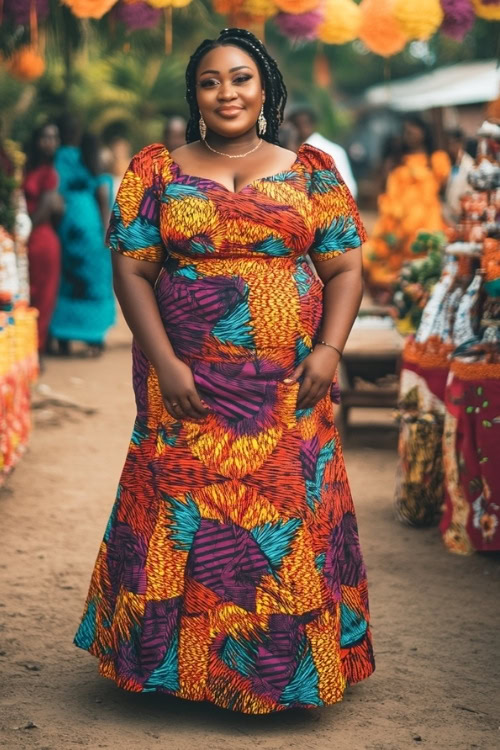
x: 419, y: 19
x: 303, y: 26
x: 341, y: 23
x: 26, y: 64
x: 19, y: 10
x: 137, y: 15
x: 168, y: 3
x: 89, y: 8
x: 379, y: 30
x: 226, y: 6
x: 297, y: 6
x: 489, y: 9
x: 259, y: 10
x: 458, y: 18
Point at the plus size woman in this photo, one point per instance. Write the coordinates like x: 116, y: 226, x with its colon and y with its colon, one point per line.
x: 230, y: 569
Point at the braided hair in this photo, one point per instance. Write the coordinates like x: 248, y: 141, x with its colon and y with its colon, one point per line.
x: 272, y: 80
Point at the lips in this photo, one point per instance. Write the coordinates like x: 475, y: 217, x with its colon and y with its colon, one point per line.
x: 229, y: 111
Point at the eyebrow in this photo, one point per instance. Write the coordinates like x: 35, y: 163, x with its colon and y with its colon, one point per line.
x: 232, y: 70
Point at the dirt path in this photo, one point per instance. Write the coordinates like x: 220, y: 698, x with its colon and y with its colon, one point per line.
x: 435, y: 616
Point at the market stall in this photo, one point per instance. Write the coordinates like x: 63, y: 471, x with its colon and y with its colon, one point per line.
x: 450, y: 380
x: 18, y: 329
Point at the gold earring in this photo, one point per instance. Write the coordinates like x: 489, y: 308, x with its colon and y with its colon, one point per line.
x: 262, y: 122
x: 203, y: 128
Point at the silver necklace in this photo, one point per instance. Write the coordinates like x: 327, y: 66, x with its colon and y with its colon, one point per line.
x: 234, y: 156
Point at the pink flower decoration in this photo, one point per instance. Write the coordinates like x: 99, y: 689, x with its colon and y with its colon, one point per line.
x: 459, y: 18
x: 137, y: 15
x: 299, y: 25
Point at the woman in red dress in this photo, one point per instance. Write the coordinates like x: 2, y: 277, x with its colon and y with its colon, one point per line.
x: 44, y: 206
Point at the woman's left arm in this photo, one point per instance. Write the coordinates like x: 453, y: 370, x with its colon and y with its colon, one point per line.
x: 342, y: 293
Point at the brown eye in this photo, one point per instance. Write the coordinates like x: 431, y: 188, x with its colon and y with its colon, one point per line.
x: 208, y: 83
x: 242, y: 79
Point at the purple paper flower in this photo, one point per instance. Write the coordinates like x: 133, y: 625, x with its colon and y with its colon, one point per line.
x: 301, y: 26
x: 459, y: 18
x: 19, y: 10
x: 138, y: 15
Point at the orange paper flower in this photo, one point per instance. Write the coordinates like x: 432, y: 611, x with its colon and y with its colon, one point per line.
x: 26, y: 64
x: 297, y: 6
x: 488, y: 10
x: 379, y: 30
x: 89, y: 8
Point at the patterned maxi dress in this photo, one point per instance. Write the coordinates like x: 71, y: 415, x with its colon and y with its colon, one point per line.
x: 230, y: 570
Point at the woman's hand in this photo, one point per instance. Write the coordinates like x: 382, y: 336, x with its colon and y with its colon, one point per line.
x: 318, y: 370
x: 179, y: 392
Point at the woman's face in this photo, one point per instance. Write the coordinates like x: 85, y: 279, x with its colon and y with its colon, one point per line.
x: 229, y: 91
x: 49, y: 141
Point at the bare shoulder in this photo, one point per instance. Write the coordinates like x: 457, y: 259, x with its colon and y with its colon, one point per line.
x: 280, y: 156
x: 189, y: 149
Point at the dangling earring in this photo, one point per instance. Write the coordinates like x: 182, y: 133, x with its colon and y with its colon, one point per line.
x: 262, y: 122
x: 203, y: 128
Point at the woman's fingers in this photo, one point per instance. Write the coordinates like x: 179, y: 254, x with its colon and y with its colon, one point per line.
x: 197, y: 405
x: 312, y: 392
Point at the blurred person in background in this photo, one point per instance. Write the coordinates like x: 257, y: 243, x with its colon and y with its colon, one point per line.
x: 461, y: 164
x: 45, y: 207
x: 305, y: 121
x: 85, y: 306
x: 174, y: 132
x: 410, y: 204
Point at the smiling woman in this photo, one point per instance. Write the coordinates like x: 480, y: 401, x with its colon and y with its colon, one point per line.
x: 231, y: 569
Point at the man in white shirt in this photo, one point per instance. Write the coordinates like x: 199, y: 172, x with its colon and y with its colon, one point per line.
x: 304, y: 121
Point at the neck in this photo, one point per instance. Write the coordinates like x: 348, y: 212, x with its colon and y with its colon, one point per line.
x: 233, y: 145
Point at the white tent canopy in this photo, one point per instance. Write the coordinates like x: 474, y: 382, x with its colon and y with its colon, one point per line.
x: 464, y: 83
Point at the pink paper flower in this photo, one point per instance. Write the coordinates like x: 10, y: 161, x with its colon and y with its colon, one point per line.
x: 459, y: 18
x: 301, y: 26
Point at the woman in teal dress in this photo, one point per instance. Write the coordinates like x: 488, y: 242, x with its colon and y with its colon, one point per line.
x: 85, y: 306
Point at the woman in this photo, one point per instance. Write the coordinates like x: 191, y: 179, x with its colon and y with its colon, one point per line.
x: 85, y: 307
x: 231, y: 569
x: 45, y: 207
x: 410, y: 204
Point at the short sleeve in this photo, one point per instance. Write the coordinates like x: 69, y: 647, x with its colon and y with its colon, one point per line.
x: 337, y: 225
x: 134, y: 227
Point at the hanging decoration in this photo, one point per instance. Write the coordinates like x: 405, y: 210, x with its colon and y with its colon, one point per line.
x: 297, y: 6
x: 89, y: 8
x: 488, y: 9
x: 341, y: 23
x: 168, y: 3
x: 26, y: 63
x: 459, y: 18
x: 299, y: 26
x: 322, y: 75
x: 379, y: 31
x: 258, y: 10
x: 137, y: 15
x: 419, y: 20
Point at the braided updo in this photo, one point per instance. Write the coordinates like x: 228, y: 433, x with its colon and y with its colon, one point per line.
x: 272, y: 80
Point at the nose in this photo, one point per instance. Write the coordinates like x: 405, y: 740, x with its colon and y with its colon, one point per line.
x: 226, y: 92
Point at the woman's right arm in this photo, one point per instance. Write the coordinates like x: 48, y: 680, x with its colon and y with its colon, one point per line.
x: 133, y: 282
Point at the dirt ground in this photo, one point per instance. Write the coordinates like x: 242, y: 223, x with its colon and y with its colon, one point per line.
x: 435, y: 615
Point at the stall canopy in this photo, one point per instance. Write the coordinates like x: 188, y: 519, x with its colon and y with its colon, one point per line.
x: 453, y: 85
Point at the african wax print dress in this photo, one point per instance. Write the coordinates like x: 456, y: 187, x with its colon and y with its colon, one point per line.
x: 230, y: 570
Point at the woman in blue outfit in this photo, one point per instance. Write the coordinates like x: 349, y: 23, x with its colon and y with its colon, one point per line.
x: 85, y: 306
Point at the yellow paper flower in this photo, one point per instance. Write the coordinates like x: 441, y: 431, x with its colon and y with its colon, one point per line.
x: 380, y: 31
x: 89, y: 8
x: 260, y: 9
x: 487, y: 10
x: 418, y: 19
x: 342, y: 22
